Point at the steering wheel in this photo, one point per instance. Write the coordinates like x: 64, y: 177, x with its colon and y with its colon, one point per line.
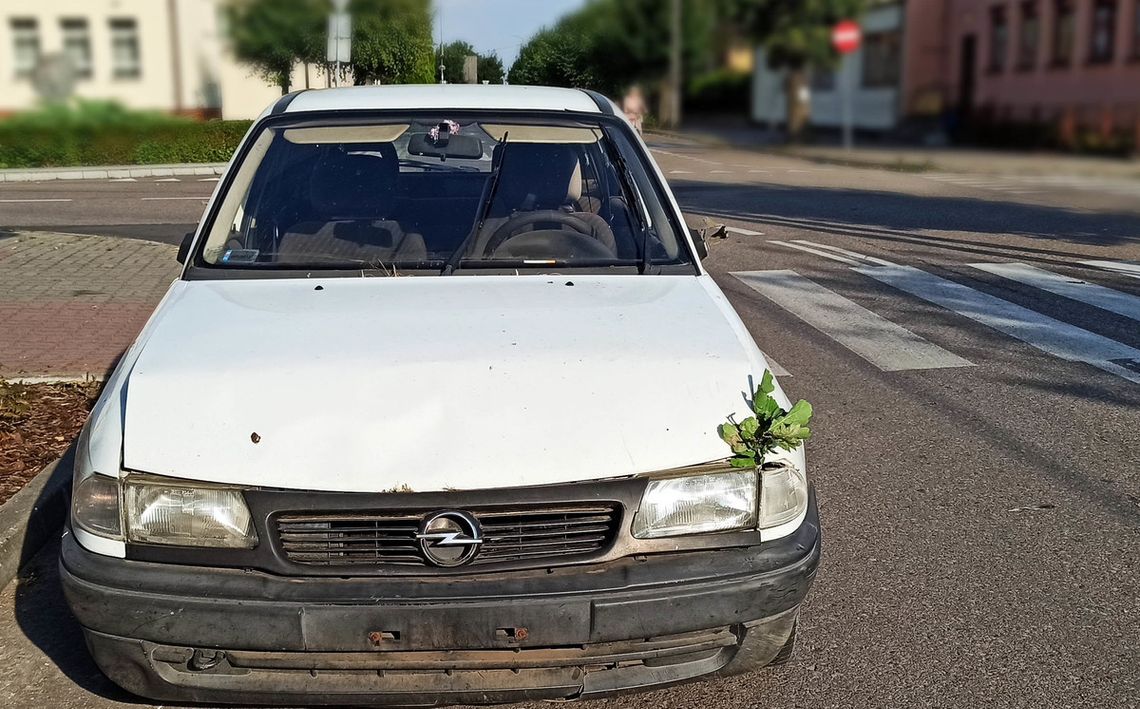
x: 545, y: 244
x: 513, y: 227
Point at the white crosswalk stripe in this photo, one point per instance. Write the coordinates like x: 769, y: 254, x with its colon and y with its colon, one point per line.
x: 881, y: 342
x: 1125, y: 268
x: 1047, y: 334
x: 1082, y: 291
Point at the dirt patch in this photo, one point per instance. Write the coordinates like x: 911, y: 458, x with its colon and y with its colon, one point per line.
x: 37, y: 424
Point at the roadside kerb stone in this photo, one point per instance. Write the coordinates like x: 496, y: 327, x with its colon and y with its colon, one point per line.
x: 44, y: 174
x: 33, y: 515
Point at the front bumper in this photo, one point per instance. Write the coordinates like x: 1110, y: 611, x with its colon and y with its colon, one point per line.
x: 558, y: 633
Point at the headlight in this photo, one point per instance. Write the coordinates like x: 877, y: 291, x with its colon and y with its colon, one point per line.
x: 166, y: 512
x: 783, y: 495
x: 712, y: 502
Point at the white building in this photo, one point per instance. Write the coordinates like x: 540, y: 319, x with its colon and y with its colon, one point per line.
x: 167, y: 55
x: 874, y: 72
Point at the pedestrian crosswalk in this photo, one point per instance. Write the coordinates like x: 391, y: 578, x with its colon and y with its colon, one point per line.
x: 890, y: 346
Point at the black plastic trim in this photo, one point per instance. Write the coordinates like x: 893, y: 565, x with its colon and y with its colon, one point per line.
x: 603, y: 103
x: 266, y: 505
x: 282, y: 103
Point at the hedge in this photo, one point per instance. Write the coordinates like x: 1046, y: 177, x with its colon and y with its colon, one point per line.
x: 145, y: 143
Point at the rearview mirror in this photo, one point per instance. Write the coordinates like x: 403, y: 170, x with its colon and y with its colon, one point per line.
x: 465, y: 147
x: 184, y: 247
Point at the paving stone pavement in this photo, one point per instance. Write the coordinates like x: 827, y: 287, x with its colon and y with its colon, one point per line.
x: 70, y: 304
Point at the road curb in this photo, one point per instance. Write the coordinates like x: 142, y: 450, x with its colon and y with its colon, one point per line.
x: 33, y: 515
x: 111, y: 172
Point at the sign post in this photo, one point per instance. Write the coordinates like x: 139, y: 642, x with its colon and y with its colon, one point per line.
x: 846, y: 37
x: 339, y: 49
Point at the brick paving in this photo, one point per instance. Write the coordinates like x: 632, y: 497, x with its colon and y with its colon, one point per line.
x: 69, y: 304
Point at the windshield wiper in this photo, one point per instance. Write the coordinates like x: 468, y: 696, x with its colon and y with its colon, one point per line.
x: 485, y: 202
x: 627, y: 184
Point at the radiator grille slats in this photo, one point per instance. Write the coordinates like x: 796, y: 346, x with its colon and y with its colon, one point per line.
x: 532, y: 533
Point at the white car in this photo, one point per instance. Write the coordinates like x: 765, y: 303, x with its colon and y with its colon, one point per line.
x: 430, y: 416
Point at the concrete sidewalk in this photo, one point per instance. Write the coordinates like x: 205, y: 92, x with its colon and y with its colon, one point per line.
x: 917, y: 158
x: 70, y: 304
x: 109, y: 172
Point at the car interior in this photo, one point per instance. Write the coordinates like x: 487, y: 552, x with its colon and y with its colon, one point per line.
x: 404, y: 195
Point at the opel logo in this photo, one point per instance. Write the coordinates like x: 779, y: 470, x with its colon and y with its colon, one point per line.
x: 449, y: 538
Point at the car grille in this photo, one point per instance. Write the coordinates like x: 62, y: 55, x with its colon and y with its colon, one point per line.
x: 511, y: 534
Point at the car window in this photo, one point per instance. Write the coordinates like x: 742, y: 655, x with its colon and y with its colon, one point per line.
x: 443, y: 194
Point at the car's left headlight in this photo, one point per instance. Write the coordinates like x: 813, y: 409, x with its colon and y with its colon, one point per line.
x: 160, y: 511
x: 695, y: 504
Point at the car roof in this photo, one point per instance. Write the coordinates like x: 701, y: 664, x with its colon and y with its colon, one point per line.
x: 443, y: 96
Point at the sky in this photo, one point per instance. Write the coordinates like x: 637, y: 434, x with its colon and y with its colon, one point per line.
x: 500, y: 26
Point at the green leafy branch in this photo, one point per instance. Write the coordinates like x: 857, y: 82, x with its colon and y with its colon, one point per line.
x: 772, y: 427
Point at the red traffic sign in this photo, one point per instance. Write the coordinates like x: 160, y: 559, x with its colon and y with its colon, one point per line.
x: 846, y: 36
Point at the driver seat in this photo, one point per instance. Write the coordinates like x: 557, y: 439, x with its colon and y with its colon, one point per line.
x: 539, y: 177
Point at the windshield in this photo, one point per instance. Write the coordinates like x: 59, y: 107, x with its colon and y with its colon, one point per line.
x: 439, y: 194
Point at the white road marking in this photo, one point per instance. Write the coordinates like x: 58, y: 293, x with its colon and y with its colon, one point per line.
x: 1122, y: 267
x: 208, y: 179
x: 1054, y: 337
x: 760, y: 172
x: 168, y: 179
x: 720, y: 172
x: 124, y: 179
x: 743, y: 232
x: 30, y: 201
x: 778, y: 370
x: 680, y: 172
x: 159, y: 199
x: 817, y: 252
x: 845, y: 252
x: 881, y: 342
x: 1081, y: 291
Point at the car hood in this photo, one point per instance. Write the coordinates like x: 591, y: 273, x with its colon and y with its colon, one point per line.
x: 375, y: 384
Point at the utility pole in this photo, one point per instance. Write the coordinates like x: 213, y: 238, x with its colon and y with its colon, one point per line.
x: 675, y: 65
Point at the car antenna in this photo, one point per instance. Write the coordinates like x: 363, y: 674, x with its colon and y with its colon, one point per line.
x: 485, y: 202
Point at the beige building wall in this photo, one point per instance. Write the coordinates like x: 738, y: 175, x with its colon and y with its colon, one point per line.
x: 185, y: 65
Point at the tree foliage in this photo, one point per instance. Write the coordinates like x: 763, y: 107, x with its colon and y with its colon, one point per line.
x: 273, y: 35
x: 391, y: 39
x: 770, y: 428
x: 611, y: 44
x: 392, y: 42
x: 452, y: 56
x: 796, y: 34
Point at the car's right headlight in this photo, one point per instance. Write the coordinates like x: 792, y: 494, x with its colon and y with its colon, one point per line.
x: 183, y: 513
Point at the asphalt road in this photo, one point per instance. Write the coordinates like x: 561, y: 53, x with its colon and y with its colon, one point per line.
x: 977, y: 456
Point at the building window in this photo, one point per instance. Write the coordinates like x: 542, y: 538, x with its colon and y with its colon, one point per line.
x: 999, y: 38
x: 25, y: 46
x: 77, y: 46
x: 1028, y: 36
x: 1064, y: 31
x: 1103, y: 31
x: 882, y: 59
x: 125, y: 59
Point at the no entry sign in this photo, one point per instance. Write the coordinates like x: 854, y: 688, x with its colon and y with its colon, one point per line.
x: 846, y: 36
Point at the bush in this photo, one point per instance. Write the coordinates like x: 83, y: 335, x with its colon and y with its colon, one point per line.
x: 104, y: 133
x: 724, y: 90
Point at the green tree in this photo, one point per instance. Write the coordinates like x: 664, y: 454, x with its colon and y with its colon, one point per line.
x: 796, y: 35
x: 453, y: 55
x: 392, y: 42
x: 274, y: 35
x: 610, y: 44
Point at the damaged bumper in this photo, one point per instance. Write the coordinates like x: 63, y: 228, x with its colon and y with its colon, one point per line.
x: 183, y: 633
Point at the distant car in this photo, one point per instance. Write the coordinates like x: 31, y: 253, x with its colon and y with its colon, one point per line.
x: 430, y: 416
